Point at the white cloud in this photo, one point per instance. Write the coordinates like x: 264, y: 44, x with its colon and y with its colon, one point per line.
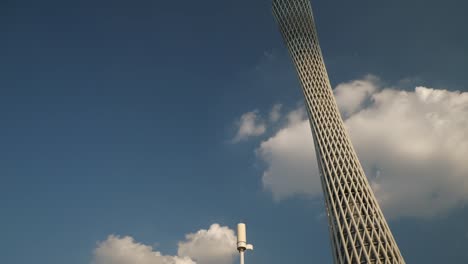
x: 413, y: 146
x: 250, y: 124
x: 351, y: 96
x: 289, y: 159
x: 275, y: 113
x: 215, y: 245
x: 124, y: 250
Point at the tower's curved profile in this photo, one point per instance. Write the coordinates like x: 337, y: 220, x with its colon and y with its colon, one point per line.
x: 358, y: 230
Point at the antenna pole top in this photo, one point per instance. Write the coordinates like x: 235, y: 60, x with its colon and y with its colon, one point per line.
x: 242, y: 238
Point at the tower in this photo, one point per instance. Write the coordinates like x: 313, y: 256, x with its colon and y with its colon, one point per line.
x: 358, y: 230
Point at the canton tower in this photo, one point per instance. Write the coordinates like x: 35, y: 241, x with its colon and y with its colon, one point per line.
x: 358, y: 230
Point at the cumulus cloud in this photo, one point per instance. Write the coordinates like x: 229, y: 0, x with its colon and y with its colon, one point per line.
x: 249, y: 125
x: 289, y: 155
x: 275, y: 113
x: 124, y: 250
x: 413, y: 146
x: 351, y: 96
x: 215, y: 245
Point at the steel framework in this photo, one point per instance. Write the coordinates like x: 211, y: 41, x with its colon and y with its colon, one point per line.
x: 358, y: 230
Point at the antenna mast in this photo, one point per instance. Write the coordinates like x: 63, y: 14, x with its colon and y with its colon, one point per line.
x: 242, y: 241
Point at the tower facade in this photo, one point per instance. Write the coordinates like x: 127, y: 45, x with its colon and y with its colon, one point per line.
x: 358, y: 230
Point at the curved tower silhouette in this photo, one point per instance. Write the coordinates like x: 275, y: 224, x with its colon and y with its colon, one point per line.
x: 358, y: 230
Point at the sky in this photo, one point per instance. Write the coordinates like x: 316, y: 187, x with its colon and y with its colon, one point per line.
x: 142, y: 132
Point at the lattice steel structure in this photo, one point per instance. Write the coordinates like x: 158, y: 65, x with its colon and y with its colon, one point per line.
x: 358, y: 230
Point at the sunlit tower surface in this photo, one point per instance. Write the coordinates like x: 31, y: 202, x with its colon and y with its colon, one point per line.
x: 358, y: 230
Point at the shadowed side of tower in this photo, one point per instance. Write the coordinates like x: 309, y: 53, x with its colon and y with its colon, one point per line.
x: 358, y: 230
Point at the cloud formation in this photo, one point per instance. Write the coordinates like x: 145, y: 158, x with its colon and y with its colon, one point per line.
x: 249, y: 125
x: 289, y: 159
x: 215, y: 245
x: 275, y: 113
x: 413, y: 146
x: 352, y: 96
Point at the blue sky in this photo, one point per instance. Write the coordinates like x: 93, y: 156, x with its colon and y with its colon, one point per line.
x: 117, y: 117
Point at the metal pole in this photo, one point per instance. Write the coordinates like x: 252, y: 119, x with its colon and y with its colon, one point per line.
x: 241, y: 256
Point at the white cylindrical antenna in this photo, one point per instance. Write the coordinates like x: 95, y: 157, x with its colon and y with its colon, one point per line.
x: 242, y: 241
x: 241, y: 236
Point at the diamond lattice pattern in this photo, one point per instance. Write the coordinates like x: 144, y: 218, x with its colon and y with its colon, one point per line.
x: 358, y: 230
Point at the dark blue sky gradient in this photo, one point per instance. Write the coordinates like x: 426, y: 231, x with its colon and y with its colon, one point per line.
x: 116, y: 116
